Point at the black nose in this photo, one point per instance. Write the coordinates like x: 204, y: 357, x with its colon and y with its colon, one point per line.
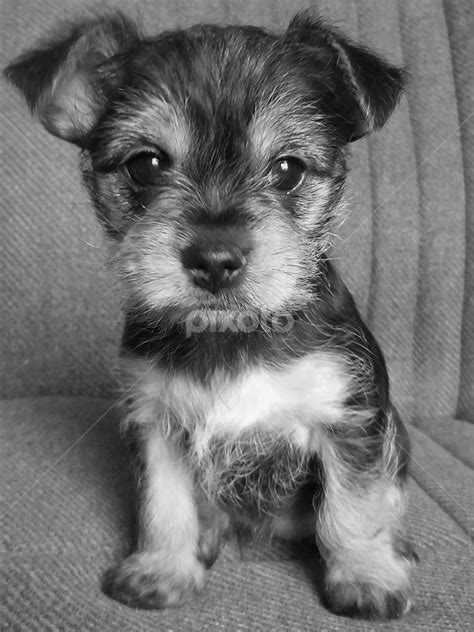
x: 213, y: 267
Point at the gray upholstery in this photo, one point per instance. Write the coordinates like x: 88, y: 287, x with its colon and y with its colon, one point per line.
x: 407, y: 252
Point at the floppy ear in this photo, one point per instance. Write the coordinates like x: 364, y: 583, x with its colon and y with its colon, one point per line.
x: 365, y: 89
x: 66, y: 81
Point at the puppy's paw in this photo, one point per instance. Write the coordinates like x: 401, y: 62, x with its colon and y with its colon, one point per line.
x: 374, y: 583
x: 366, y: 600
x: 150, y: 580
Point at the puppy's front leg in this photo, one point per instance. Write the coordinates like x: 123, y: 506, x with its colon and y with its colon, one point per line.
x: 360, y: 524
x: 165, y: 570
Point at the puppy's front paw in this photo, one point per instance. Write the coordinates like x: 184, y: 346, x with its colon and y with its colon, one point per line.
x: 150, y: 580
x: 366, y: 600
x: 371, y: 587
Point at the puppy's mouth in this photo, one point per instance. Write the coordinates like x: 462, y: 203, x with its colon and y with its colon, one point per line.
x: 221, y: 302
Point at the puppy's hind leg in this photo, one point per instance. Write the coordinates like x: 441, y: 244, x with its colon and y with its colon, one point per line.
x: 360, y: 522
x: 165, y: 570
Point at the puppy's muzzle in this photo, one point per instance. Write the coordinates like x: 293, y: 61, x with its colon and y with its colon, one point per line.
x: 214, y: 267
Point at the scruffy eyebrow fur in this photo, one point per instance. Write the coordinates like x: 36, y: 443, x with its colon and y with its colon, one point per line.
x: 289, y: 125
x: 156, y: 122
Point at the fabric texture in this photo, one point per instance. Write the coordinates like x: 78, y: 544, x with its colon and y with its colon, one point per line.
x: 407, y: 253
x: 67, y: 513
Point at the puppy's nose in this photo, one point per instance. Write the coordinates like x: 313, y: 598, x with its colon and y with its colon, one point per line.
x: 213, y: 267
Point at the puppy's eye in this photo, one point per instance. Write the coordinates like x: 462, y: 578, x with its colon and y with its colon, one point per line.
x: 146, y: 168
x: 287, y: 173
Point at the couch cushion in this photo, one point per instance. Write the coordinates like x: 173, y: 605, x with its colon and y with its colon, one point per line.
x: 66, y: 512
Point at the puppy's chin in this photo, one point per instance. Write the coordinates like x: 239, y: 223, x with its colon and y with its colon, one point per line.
x: 223, y: 312
x: 174, y: 302
x: 213, y: 313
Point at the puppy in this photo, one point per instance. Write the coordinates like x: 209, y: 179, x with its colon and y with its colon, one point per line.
x: 257, y: 398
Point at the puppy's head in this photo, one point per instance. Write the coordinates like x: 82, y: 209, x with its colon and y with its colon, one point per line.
x: 214, y: 155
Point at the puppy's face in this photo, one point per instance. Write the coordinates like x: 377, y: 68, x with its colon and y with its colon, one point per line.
x: 214, y: 155
x: 218, y: 173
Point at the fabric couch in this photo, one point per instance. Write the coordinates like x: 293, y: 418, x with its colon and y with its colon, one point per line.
x: 407, y: 253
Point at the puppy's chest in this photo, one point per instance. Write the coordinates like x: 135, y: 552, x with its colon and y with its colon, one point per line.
x: 290, y: 402
x: 252, y: 439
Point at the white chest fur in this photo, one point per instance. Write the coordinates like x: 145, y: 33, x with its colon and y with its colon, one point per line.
x: 293, y: 401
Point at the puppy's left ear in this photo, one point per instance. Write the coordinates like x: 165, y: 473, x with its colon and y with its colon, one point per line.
x: 363, y: 89
x: 66, y: 81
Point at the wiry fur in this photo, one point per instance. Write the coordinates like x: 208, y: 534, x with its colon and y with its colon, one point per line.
x: 287, y: 430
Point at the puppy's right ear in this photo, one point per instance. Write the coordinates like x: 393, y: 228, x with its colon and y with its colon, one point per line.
x: 66, y: 81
